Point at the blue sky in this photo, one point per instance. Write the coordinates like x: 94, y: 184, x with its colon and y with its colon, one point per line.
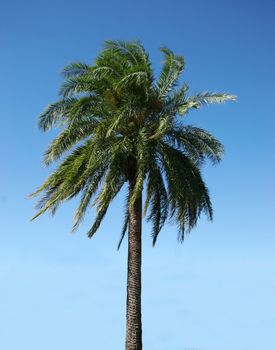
x: 214, y: 292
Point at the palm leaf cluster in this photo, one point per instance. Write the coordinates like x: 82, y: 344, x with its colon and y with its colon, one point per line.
x: 118, y: 124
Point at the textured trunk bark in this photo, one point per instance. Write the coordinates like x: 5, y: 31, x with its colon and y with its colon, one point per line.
x: 133, y: 313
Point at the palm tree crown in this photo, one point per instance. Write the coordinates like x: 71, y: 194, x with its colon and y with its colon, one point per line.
x: 120, y: 124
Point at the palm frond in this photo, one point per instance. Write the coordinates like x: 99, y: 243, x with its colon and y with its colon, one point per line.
x: 55, y: 114
x: 126, y: 222
x: 142, y: 160
x: 204, y: 98
x: 88, y: 192
x: 75, y: 69
x: 157, y: 199
x: 171, y: 71
x: 196, y: 143
x: 188, y: 194
x: 111, y: 187
x: 78, y: 85
x: 69, y: 137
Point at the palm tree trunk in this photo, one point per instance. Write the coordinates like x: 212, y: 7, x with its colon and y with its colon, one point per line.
x: 133, y: 313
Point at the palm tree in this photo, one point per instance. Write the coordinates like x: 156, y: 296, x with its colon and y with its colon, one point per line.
x: 120, y: 125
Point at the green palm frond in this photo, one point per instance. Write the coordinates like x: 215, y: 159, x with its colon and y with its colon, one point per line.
x: 69, y: 137
x: 89, y: 191
x: 188, y: 193
x: 132, y: 52
x: 172, y: 68
x: 55, y: 114
x: 77, y: 85
x: 126, y: 222
x: 204, y: 98
x: 75, y: 69
x: 207, y: 97
x: 142, y: 161
x: 196, y: 143
x: 157, y: 199
x: 110, y: 188
x: 136, y: 78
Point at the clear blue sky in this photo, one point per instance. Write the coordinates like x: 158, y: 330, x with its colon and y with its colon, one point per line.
x: 214, y: 292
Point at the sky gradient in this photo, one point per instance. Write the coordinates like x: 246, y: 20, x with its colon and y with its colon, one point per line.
x: 216, y: 291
